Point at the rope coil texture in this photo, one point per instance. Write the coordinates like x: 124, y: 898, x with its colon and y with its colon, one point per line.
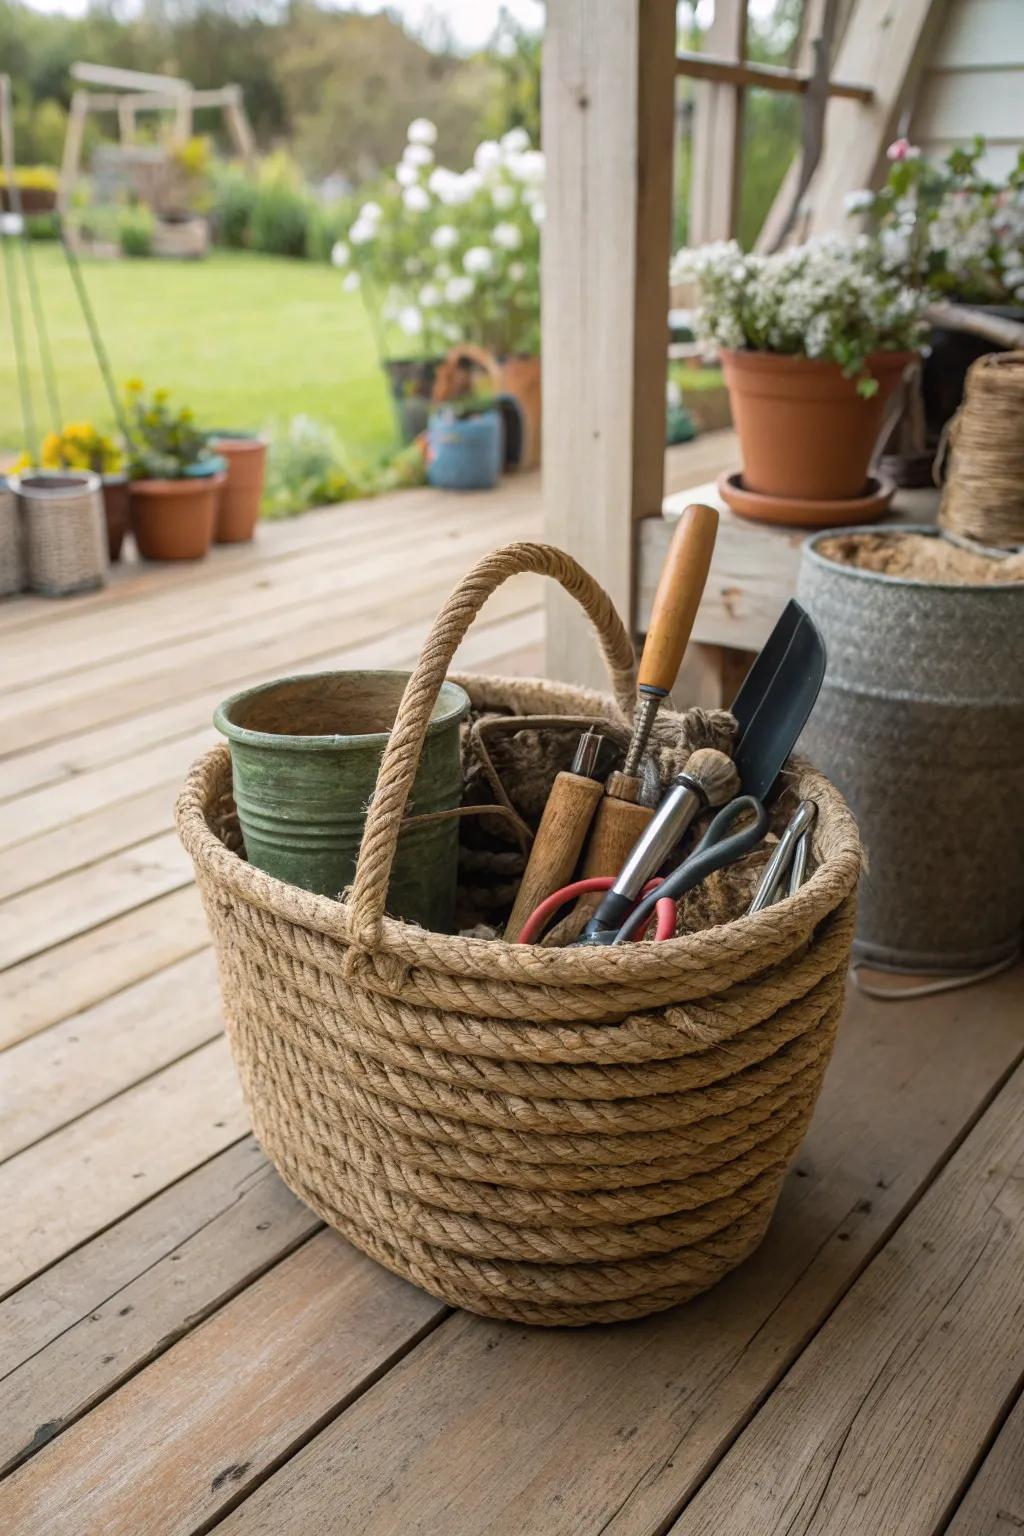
x: 984, y: 493
x: 557, y: 1137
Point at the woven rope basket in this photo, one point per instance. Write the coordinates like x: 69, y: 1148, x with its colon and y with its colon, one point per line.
x: 556, y: 1136
x: 65, y: 533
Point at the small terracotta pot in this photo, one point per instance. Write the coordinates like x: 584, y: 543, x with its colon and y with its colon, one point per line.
x: 804, y: 430
x: 521, y: 377
x: 174, y: 519
x: 239, y: 507
x: 116, y: 500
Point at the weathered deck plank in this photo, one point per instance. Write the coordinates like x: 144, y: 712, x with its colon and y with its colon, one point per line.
x: 878, y: 1424
x: 62, y: 1073
x: 206, y: 1421
x: 90, y: 1322
x: 67, y: 1187
x: 994, y: 1503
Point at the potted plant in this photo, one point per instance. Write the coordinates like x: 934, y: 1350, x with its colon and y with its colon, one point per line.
x: 957, y: 235
x: 465, y: 444
x: 443, y: 256
x: 813, y: 342
x: 80, y: 445
x: 175, y: 480
x: 37, y: 186
x: 238, y: 507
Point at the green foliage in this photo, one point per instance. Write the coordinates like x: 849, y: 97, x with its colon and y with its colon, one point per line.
x: 135, y: 226
x: 279, y: 220
x: 515, y: 100
x: 234, y: 195
x: 326, y: 225
x: 351, y: 82
x: 306, y: 467
x: 165, y: 443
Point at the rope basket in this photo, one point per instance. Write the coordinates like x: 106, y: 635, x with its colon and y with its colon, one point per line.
x: 65, y: 531
x: 12, y: 551
x: 555, y: 1136
x: 984, y: 493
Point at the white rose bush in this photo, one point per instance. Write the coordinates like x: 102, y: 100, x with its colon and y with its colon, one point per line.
x: 445, y: 256
x: 829, y: 299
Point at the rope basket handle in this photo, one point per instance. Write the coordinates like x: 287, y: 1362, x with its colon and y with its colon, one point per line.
x: 400, y: 760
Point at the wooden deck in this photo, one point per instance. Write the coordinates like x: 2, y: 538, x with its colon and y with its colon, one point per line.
x: 183, y: 1348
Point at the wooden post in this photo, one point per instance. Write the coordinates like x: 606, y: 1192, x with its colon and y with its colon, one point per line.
x: 608, y: 95
x: 72, y: 148
x: 718, y: 134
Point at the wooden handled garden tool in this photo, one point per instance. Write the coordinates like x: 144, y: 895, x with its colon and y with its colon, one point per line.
x: 562, y: 832
x: 620, y: 821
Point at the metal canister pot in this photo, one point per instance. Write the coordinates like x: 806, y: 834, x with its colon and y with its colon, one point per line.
x: 305, y: 753
x: 920, y: 722
x: 65, y: 532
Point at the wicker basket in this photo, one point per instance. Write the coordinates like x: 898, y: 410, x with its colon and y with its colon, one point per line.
x: 65, y: 531
x: 12, y: 547
x: 557, y: 1136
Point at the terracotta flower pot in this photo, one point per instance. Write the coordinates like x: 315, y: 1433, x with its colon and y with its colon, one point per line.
x: 239, y: 507
x: 116, y: 499
x: 804, y: 430
x: 520, y: 376
x: 174, y: 519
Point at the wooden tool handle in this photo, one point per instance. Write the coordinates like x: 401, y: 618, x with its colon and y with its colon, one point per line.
x: 677, y: 599
x: 556, y: 848
x: 617, y: 826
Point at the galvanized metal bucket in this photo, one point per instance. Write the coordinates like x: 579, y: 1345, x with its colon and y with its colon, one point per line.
x: 304, y: 758
x: 920, y: 723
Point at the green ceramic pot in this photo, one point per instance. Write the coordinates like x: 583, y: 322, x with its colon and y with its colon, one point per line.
x: 305, y: 753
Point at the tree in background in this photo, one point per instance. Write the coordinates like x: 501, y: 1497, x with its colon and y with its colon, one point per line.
x: 515, y: 100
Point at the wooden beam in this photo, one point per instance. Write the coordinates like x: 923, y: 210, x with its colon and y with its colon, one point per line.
x: 126, y: 79
x: 701, y: 66
x: 718, y: 133
x: 608, y: 124
x: 886, y: 41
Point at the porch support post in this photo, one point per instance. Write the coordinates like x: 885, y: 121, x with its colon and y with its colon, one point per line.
x: 608, y: 105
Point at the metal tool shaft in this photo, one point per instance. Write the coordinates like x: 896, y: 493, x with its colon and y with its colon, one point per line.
x: 647, y: 708
x: 800, y: 822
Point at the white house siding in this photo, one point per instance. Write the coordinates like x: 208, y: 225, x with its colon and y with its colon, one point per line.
x: 973, y: 82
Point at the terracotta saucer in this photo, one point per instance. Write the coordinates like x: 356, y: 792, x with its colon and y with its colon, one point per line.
x: 797, y: 512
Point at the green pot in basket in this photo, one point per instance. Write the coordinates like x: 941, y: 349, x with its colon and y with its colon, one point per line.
x: 304, y: 755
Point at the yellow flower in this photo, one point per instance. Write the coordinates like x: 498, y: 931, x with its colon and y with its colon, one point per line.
x: 134, y: 386
x: 50, y: 453
x: 22, y: 462
x: 161, y: 396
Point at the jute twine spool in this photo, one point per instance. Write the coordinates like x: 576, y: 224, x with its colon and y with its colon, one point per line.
x: 556, y: 1136
x: 984, y: 493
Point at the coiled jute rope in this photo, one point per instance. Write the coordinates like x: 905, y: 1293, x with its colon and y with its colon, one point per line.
x: 555, y: 1136
x: 983, y: 497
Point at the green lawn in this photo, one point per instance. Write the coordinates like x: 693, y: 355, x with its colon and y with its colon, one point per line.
x: 246, y: 340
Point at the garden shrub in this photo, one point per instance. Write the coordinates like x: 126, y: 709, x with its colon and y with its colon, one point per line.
x: 279, y: 221
x: 234, y: 195
x: 135, y: 225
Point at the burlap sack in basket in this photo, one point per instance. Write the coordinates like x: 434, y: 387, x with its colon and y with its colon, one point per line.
x: 557, y: 1136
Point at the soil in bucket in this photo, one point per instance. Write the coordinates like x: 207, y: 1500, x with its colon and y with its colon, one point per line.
x: 305, y: 752
x: 921, y: 557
